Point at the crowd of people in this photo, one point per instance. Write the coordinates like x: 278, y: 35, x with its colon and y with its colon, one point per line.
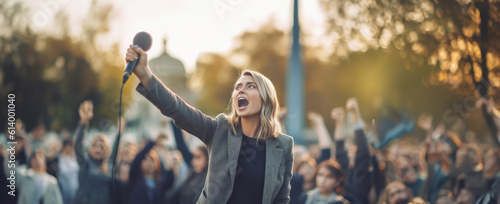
x: 245, y: 157
x: 442, y: 169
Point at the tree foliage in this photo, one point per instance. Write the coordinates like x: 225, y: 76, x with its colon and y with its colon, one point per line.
x: 381, y: 79
x: 461, y: 38
x: 52, y: 72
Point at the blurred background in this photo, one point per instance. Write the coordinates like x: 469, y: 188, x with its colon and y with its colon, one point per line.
x: 398, y: 58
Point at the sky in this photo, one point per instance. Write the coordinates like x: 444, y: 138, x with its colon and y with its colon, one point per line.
x: 192, y: 27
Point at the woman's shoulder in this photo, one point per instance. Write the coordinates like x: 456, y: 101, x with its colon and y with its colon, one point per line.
x: 222, y: 120
x: 285, y: 139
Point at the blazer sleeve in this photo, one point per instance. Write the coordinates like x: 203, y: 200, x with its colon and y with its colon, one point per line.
x: 284, y: 192
x: 184, y: 115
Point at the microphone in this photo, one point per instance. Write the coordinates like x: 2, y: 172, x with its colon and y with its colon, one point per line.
x: 141, y: 40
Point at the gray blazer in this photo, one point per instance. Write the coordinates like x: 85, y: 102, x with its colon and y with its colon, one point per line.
x: 224, y: 148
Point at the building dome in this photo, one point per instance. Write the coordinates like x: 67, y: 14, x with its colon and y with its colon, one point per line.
x: 171, y: 72
x: 167, y: 66
x: 146, y: 117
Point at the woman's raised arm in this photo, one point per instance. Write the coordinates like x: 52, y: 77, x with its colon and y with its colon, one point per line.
x: 170, y: 104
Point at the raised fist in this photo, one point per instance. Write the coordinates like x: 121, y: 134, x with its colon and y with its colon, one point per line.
x: 86, y: 111
x: 338, y: 114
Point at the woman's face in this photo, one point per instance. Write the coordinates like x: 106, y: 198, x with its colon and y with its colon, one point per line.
x: 123, y: 172
x: 246, y: 97
x: 325, y: 181
x: 148, y: 165
x: 37, y: 163
x: 307, y: 171
x: 97, y: 150
x: 199, y: 161
x: 68, y: 150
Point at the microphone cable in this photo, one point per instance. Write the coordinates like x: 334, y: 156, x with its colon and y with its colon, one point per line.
x: 115, y: 150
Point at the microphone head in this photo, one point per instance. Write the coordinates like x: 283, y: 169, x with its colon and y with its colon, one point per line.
x: 143, y: 40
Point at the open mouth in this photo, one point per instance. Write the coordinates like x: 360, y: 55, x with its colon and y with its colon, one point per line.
x: 242, y: 103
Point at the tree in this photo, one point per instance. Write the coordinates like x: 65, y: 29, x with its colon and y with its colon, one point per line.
x: 52, y: 72
x: 377, y: 78
x: 460, y: 38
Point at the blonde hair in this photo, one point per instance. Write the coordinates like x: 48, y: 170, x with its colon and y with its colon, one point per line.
x: 107, y: 150
x: 269, y: 121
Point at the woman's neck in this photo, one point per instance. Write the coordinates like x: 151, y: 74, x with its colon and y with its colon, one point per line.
x: 250, y: 125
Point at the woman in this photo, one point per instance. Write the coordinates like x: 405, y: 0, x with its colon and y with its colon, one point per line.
x: 250, y: 160
x: 197, y: 161
x: 303, y: 179
x: 330, y: 184
x: 148, y: 179
x: 68, y: 171
x: 35, y: 184
x: 94, y: 176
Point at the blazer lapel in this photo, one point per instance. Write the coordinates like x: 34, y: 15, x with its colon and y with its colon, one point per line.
x: 274, y: 158
x: 233, y: 151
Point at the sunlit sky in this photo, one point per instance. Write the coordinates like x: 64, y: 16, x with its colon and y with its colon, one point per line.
x: 192, y: 27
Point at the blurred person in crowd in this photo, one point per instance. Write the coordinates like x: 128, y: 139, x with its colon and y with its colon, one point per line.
x: 20, y: 148
x: 94, y: 175
x: 303, y: 178
x: 4, y: 174
x: 314, y: 150
x: 440, y: 147
x: 234, y: 175
x: 330, y: 184
x: 325, y: 143
x: 396, y: 193
x: 408, y: 174
x: 148, y: 177
x: 35, y: 184
x: 68, y: 171
x: 356, y: 166
x: 53, y: 149
x: 468, y: 171
x: 122, y: 188
x: 197, y: 161
x: 123, y: 171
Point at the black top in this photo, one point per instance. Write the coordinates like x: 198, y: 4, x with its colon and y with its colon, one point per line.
x: 249, y: 181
